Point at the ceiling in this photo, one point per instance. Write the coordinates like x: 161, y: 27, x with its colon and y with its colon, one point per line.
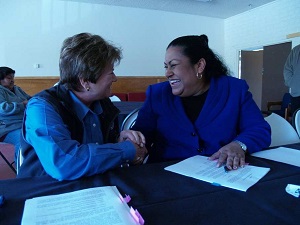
x: 210, y: 8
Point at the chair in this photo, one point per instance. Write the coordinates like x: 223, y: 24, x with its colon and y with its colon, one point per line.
x: 136, y: 96
x: 282, y: 107
x: 7, y: 149
x: 20, y: 160
x: 296, y: 121
x: 130, y: 119
x: 282, y: 132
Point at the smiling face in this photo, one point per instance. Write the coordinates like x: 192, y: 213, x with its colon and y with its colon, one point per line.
x: 102, y: 88
x: 91, y: 92
x: 8, y: 81
x: 181, y: 74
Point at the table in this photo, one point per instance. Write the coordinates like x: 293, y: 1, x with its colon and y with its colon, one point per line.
x: 163, y: 197
x: 126, y: 108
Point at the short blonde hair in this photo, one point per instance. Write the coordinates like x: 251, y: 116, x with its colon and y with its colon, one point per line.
x: 85, y: 56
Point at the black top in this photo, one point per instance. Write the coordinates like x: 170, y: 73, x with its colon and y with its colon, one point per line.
x: 193, y: 105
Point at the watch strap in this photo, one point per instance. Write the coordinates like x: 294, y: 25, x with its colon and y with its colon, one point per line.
x: 243, y: 146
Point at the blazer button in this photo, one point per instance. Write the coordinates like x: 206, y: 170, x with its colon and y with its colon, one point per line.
x: 200, y: 150
x: 193, y: 134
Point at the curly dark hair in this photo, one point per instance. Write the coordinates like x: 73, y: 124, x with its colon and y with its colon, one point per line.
x: 196, y: 47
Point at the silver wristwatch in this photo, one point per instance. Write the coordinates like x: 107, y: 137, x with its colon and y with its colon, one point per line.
x: 243, y: 146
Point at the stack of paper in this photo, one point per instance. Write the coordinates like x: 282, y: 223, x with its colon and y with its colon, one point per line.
x: 201, y: 168
x: 100, y: 205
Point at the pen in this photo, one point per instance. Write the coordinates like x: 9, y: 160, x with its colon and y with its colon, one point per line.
x: 226, y: 169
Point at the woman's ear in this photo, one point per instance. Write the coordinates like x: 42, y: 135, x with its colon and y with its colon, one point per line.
x: 85, y: 84
x: 201, y: 65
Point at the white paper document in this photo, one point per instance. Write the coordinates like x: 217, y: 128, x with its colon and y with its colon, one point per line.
x: 199, y: 167
x: 100, y: 205
x: 285, y: 155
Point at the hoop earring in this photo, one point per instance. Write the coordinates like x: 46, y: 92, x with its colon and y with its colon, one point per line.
x: 199, y: 76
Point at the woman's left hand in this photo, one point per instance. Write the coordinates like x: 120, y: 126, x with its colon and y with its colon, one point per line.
x: 231, y: 154
x: 135, y: 136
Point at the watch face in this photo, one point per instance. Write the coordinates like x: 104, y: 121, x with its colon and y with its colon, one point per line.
x: 243, y: 146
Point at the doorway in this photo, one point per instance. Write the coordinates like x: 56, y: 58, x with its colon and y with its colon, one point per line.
x: 263, y: 70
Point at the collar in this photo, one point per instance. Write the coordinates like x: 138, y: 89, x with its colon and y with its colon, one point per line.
x: 80, y: 109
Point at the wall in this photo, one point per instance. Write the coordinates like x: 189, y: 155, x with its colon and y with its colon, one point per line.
x: 125, y: 84
x: 32, y: 32
x: 266, y: 25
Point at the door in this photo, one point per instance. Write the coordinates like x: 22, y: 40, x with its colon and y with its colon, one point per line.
x: 251, y: 71
x: 274, y: 58
x: 263, y: 71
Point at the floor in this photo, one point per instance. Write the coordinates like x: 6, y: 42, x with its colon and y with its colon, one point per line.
x: 5, y: 171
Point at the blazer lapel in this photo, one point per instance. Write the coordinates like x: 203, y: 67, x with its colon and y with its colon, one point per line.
x: 215, y: 102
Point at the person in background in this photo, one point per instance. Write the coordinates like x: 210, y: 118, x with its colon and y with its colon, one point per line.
x: 71, y: 130
x: 291, y: 74
x: 200, y: 110
x: 13, y: 101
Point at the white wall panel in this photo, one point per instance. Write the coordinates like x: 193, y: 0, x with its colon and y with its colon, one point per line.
x: 265, y: 25
x: 32, y: 31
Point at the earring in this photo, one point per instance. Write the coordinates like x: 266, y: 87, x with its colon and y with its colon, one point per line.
x: 87, y: 88
x: 199, y: 76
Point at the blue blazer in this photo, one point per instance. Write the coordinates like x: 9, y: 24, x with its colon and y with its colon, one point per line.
x: 229, y: 113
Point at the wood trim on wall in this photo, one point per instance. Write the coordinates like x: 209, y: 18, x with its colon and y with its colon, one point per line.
x: 125, y: 84
x: 135, y: 84
x: 33, y: 85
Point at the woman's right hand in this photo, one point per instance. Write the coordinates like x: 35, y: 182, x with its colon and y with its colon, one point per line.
x: 135, y: 136
x: 140, y: 155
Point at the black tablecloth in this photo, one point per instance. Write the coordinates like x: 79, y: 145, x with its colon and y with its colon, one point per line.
x: 163, y: 197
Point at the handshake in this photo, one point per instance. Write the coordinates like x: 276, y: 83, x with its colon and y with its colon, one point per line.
x: 139, y: 141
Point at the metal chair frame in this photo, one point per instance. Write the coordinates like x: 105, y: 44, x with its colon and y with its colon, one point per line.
x: 129, y: 120
x: 296, y: 121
